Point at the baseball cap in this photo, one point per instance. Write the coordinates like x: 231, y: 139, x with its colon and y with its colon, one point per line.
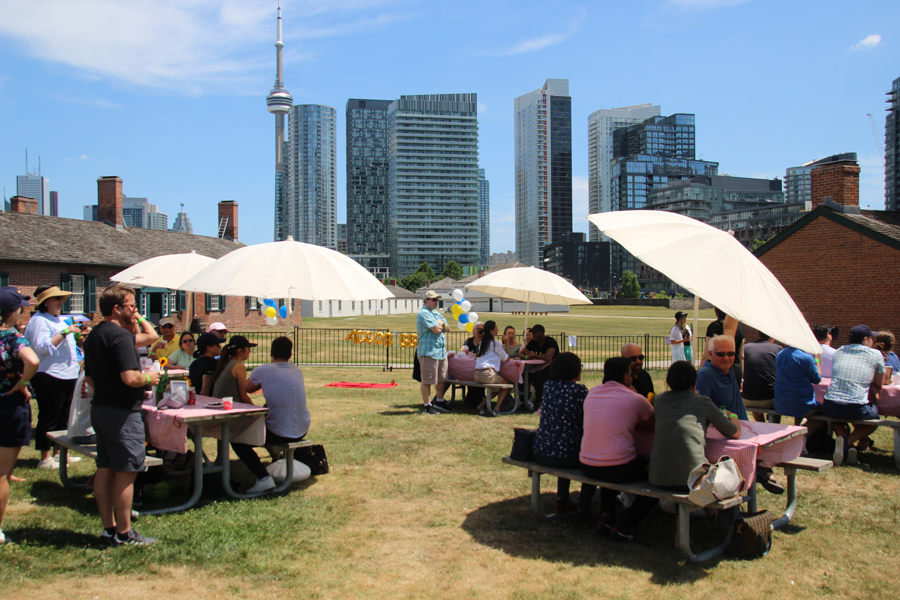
x: 167, y: 321
x: 432, y: 295
x: 238, y: 342
x: 206, y: 340
x: 217, y: 327
x: 680, y: 314
x: 11, y: 299
x: 861, y: 331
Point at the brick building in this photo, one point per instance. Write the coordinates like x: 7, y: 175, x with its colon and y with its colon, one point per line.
x: 838, y: 261
x: 81, y: 256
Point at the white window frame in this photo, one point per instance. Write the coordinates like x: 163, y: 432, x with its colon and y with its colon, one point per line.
x: 253, y: 303
x: 214, y: 303
x: 77, y: 297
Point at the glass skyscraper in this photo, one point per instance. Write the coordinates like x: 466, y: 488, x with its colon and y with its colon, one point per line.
x: 601, y: 125
x: 484, y: 219
x: 543, y: 169
x: 310, y: 177
x: 892, y: 149
x: 368, y: 167
x: 36, y: 187
x: 433, y: 181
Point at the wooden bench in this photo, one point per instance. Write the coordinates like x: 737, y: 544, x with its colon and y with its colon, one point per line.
x: 895, y: 425
x: 685, y: 506
x: 65, y: 443
x: 454, y: 384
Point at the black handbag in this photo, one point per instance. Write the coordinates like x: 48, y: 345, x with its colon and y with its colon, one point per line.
x: 314, y: 458
x: 523, y: 444
x: 752, y: 535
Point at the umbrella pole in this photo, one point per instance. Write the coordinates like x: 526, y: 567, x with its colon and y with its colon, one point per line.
x: 527, y: 307
x: 693, y: 341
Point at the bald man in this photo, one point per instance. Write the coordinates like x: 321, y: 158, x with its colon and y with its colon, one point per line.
x: 640, y: 379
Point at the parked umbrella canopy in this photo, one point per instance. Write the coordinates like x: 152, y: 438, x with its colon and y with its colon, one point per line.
x: 528, y: 284
x: 714, y: 266
x: 167, y: 271
x: 288, y: 269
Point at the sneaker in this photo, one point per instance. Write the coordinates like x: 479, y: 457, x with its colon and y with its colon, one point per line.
x: 429, y: 409
x: 2, y: 538
x: 484, y: 413
x: 106, y: 540
x: 440, y: 404
x: 840, y: 451
x: 620, y: 533
x: 71, y: 459
x: 852, y: 458
x: 528, y: 407
x: 132, y: 538
x: 262, y: 485
x: 771, y: 485
x: 48, y: 463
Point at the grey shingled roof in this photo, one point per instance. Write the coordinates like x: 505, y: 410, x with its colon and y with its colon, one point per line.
x: 400, y: 292
x: 467, y: 280
x: 39, y: 238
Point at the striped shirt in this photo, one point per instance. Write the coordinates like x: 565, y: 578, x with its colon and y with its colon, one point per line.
x: 853, y: 370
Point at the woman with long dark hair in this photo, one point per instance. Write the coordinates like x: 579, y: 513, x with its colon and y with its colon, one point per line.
x: 230, y: 377
x: 488, y: 357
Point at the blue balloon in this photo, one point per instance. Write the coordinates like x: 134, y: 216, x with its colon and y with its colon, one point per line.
x: 463, y: 318
x: 283, y: 312
x: 271, y: 303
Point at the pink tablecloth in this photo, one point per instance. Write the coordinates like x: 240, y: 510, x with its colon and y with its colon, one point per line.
x: 169, y: 431
x: 462, y: 368
x: 888, y: 403
x: 745, y: 451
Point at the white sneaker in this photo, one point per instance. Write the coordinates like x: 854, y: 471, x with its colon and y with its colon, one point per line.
x: 2, y: 538
x: 72, y: 459
x: 262, y: 485
x: 48, y: 463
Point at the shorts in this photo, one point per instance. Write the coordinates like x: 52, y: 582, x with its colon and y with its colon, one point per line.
x: 15, y: 421
x: 120, y: 438
x: 750, y: 404
x: 434, y: 371
x: 851, y: 412
x: 488, y: 375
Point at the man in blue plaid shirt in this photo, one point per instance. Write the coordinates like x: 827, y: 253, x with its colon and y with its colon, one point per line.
x: 432, y: 352
x: 857, y: 375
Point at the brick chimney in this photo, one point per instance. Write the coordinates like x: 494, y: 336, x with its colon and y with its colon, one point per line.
x: 838, y: 180
x: 23, y: 205
x: 228, y: 217
x: 109, y: 201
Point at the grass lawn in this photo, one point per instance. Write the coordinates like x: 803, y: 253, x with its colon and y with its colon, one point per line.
x: 421, y: 507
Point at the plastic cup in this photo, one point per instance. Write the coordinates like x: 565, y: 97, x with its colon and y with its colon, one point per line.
x: 227, y: 402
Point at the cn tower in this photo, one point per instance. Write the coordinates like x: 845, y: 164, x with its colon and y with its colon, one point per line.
x: 279, y: 102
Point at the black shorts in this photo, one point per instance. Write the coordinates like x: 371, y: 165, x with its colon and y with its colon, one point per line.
x: 15, y: 421
x: 120, y: 438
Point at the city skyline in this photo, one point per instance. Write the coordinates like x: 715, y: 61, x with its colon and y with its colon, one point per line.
x: 134, y: 111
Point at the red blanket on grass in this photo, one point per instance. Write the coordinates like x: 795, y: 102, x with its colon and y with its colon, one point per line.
x: 351, y: 384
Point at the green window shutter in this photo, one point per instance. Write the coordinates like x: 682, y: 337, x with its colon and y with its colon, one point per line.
x: 182, y: 300
x: 208, y: 302
x: 222, y: 303
x: 4, y: 279
x: 90, y: 305
x: 65, y: 284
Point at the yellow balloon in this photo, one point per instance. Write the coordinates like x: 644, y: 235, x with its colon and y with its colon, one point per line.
x: 456, y: 310
x: 470, y: 327
x: 270, y: 311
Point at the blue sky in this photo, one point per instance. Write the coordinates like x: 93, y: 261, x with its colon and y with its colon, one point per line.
x: 170, y: 95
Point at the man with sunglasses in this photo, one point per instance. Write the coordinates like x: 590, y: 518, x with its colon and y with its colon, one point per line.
x: 168, y: 343
x: 640, y: 379
x: 717, y: 379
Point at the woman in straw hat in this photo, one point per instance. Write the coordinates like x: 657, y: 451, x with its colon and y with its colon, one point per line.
x: 53, y: 340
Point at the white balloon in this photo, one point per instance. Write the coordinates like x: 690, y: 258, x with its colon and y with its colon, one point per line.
x: 271, y: 320
x: 458, y: 295
x: 261, y: 300
x: 466, y: 306
x: 473, y: 317
x: 461, y: 326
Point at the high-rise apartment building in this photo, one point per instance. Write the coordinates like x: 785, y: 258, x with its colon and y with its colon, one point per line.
x: 182, y: 222
x: 433, y: 181
x: 543, y: 169
x: 34, y: 185
x: 54, y: 204
x: 484, y: 219
x: 368, y: 168
x: 601, y: 125
x: 798, y: 180
x: 310, y: 177
x: 892, y: 149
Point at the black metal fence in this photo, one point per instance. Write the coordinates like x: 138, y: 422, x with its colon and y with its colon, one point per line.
x: 396, y: 349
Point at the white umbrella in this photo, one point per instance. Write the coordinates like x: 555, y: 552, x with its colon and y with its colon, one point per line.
x: 167, y: 271
x: 713, y: 265
x: 528, y: 285
x: 288, y: 269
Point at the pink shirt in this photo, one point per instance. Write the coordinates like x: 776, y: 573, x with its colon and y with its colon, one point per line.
x: 611, y: 412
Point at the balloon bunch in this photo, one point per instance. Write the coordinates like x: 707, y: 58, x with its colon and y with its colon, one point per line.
x: 466, y: 320
x: 272, y: 311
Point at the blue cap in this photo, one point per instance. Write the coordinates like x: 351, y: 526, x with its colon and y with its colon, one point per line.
x: 11, y: 300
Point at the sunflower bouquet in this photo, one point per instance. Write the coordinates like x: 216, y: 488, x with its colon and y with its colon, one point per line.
x: 163, y: 384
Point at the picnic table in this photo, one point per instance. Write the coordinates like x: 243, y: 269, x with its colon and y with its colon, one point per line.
x: 888, y: 402
x: 461, y: 370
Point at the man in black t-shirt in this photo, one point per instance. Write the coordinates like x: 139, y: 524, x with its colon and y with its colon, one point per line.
x: 112, y: 364
x: 541, y: 348
x: 640, y: 379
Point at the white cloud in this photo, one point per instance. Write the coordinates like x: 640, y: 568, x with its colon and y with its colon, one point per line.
x: 541, y: 42
x: 482, y: 108
x: 704, y: 4
x: 188, y: 46
x: 870, y: 41
x: 84, y: 157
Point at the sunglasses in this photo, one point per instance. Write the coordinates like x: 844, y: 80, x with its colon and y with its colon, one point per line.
x: 187, y: 341
x: 636, y: 357
x: 166, y: 326
x: 724, y: 354
x: 479, y: 331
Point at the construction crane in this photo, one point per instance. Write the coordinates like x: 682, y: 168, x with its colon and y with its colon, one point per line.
x: 875, y: 135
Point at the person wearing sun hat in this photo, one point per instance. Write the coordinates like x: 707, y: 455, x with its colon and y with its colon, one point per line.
x: 18, y: 366
x: 53, y: 340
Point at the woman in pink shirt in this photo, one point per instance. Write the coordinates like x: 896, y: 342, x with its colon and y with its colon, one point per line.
x: 612, y: 411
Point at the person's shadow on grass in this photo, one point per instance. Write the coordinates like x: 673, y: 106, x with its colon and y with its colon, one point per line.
x: 59, y: 539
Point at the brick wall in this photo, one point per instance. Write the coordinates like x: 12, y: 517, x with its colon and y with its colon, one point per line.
x: 109, y: 200
x: 28, y: 276
x: 23, y: 205
x: 228, y: 209
x: 839, y: 181
x: 838, y: 277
